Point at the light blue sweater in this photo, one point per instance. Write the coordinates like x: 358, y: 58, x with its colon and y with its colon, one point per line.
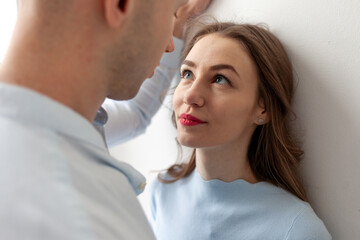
x: 193, y: 208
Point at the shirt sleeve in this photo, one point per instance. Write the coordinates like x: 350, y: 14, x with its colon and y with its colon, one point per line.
x: 128, y: 119
x: 307, y: 226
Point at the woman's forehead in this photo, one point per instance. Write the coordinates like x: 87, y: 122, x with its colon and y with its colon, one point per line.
x: 215, y: 49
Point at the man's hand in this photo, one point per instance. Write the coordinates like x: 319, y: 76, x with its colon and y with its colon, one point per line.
x: 190, y: 9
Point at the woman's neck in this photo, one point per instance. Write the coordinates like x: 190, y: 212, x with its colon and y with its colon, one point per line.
x: 226, y: 163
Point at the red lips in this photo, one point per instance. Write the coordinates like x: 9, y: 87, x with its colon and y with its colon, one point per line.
x: 189, y: 120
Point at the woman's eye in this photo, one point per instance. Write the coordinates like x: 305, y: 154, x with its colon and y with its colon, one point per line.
x: 221, y: 80
x: 187, y: 74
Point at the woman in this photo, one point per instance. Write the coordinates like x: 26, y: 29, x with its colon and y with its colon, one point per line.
x: 232, y: 106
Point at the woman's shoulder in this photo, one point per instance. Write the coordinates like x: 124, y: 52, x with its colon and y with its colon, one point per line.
x: 157, y: 183
x: 307, y: 225
x: 298, y: 215
x: 305, y: 222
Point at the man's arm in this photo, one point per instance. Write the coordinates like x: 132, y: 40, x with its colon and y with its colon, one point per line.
x: 128, y: 119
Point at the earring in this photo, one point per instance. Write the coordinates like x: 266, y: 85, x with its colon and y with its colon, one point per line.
x: 261, y: 121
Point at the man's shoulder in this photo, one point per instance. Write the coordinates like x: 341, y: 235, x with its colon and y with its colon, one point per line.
x: 63, y: 186
x: 32, y: 158
x: 27, y: 140
x: 37, y: 193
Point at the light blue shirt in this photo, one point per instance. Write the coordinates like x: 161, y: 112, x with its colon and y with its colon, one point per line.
x: 57, y: 179
x: 192, y: 208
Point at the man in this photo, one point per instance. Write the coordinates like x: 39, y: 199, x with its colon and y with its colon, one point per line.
x: 57, y: 178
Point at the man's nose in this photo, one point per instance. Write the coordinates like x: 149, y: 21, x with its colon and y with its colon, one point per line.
x: 170, y: 46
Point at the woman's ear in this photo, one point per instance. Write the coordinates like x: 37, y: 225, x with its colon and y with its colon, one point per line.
x: 262, y: 117
x: 115, y: 11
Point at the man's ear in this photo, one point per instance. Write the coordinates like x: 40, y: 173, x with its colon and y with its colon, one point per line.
x: 115, y: 11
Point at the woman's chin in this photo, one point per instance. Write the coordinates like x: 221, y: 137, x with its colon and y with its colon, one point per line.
x: 189, y: 143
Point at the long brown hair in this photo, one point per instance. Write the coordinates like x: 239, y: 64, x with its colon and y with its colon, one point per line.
x: 273, y: 153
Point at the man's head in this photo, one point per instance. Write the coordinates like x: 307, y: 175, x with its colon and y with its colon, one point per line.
x: 145, y: 31
x: 122, y: 40
x: 80, y: 51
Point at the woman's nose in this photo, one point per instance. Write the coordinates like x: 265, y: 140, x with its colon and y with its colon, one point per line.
x: 194, y: 95
x: 171, y: 46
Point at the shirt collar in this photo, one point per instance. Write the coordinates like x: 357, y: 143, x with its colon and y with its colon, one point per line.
x: 33, y: 108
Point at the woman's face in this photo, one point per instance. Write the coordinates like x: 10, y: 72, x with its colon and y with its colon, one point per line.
x: 216, y: 102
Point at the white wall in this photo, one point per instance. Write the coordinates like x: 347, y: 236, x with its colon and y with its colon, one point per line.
x: 323, y: 40
x: 7, y: 23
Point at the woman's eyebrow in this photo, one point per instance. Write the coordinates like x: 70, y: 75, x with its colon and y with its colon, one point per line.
x: 213, y: 68
x: 188, y: 63
x: 224, y: 66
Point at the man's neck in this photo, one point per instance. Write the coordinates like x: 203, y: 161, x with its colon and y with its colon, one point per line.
x: 60, y: 72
